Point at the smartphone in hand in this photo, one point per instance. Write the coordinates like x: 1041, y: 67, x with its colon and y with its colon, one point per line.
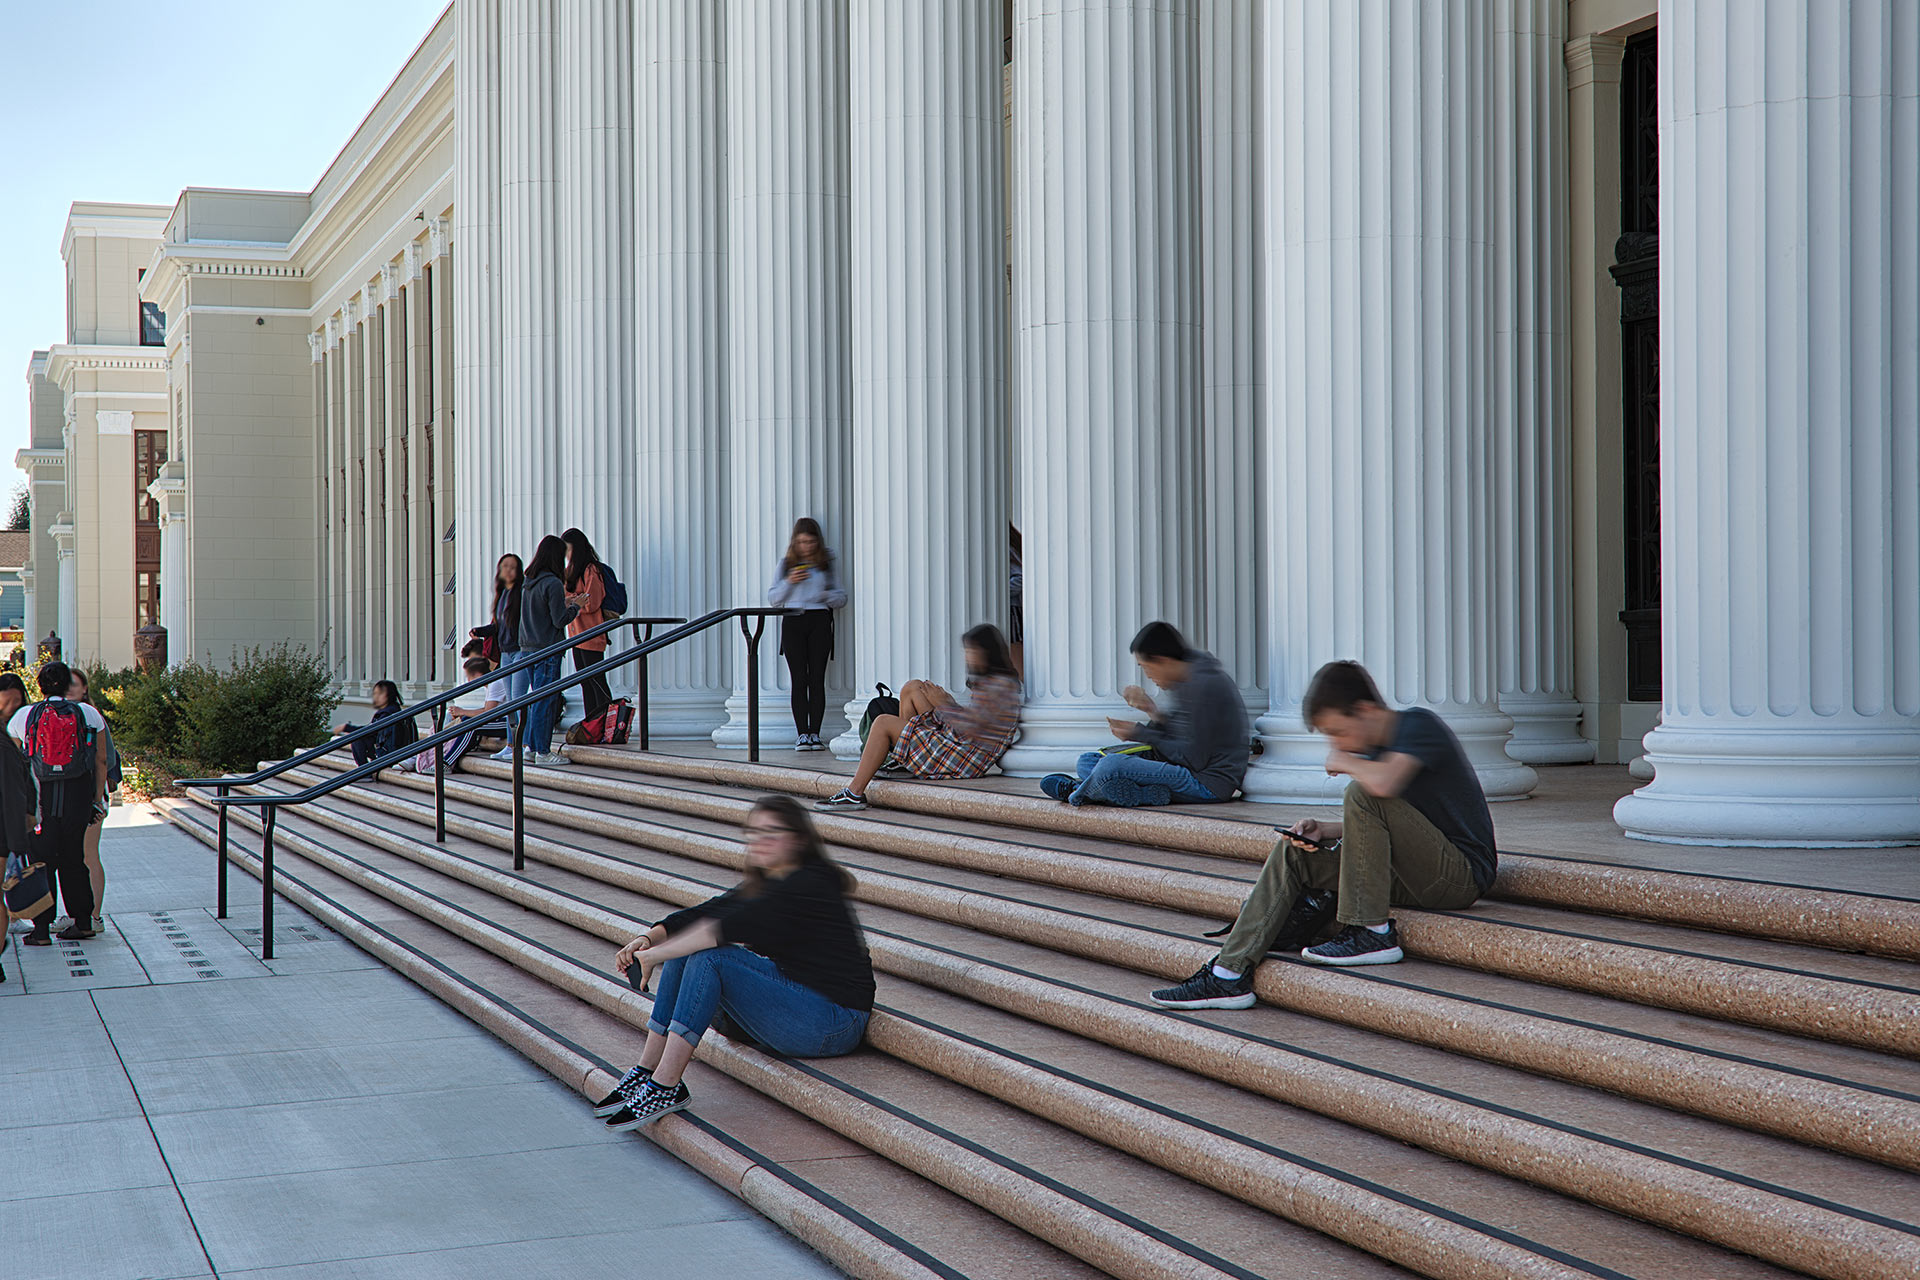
x: 1324, y: 846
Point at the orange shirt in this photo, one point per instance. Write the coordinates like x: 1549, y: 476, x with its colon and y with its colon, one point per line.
x: 590, y: 615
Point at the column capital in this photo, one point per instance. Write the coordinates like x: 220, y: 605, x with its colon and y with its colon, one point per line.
x: 1594, y: 59
x: 350, y: 312
x: 413, y: 259
x: 334, y: 328
x: 440, y: 236
x: 390, y: 280
x: 316, y: 346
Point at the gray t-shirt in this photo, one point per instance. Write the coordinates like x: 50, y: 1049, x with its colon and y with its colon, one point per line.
x: 1446, y: 792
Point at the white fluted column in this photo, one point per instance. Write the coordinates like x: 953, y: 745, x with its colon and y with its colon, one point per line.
x: 1531, y: 423
x: 336, y: 464
x: 447, y: 464
x: 472, y: 415
x: 681, y: 569
x: 353, y: 573
x: 372, y: 566
x: 1378, y: 360
x: 1233, y: 517
x: 1790, y: 426
x: 929, y: 338
x: 30, y: 623
x: 423, y: 637
x: 788, y: 394
x: 1106, y: 101
x: 596, y: 369
x: 66, y: 550
x: 169, y: 490
x: 532, y: 229
x: 394, y: 508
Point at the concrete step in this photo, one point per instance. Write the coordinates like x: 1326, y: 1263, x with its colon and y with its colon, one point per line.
x: 1708, y: 1204
x: 1405, y: 1002
x: 1794, y: 913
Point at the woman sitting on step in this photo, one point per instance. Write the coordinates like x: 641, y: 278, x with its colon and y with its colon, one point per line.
x: 780, y: 954
x: 934, y: 736
x: 402, y: 732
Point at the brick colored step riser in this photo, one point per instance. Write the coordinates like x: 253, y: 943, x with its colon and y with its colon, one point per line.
x: 1782, y: 1231
x: 1795, y: 1003
x: 843, y: 1242
x: 1796, y: 1107
x: 1848, y: 922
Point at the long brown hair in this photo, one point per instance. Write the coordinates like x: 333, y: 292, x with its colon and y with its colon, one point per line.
x: 813, y: 850
x: 500, y: 584
x: 805, y: 524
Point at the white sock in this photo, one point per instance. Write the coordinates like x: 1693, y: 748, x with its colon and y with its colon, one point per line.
x: 1380, y: 928
x: 1225, y: 974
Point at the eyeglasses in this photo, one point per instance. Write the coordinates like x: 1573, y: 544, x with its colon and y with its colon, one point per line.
x: 765, y: 829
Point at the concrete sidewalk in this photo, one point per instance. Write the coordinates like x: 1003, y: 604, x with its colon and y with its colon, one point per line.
x: 174, y: 1107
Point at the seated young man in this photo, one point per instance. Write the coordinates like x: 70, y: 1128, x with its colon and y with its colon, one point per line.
x: 1199, y: 748
x: 1414, y: 832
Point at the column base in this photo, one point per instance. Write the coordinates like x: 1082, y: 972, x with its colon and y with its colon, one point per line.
x: 776, y: 721
x: 1292, y: 768
x: 1786, y: 787
x: 1546, y: 729
x: 689, y: 715
x: 1053, y: 736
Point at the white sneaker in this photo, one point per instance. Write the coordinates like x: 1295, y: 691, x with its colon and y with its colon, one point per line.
x: 504, y: 755
x: 549, y: 759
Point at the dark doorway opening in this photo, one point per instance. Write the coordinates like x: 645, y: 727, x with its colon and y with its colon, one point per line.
x: 1636, y: 270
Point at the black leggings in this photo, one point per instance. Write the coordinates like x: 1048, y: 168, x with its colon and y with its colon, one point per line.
x: 61, y: 844
x: 807, y: 644
x: 593, y: 690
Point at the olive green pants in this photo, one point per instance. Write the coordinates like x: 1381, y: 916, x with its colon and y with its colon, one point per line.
x: 1389, y: 856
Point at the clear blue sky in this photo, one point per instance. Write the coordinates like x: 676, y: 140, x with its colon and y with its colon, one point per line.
x: 112, y: 100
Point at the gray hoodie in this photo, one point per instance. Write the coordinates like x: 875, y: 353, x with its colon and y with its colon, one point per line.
x: 1206, y: 729
x: 544, y: 612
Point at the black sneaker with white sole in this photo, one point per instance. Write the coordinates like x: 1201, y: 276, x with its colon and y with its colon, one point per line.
x: 1357, y: 944
x: 623, y: 1093
x: 844, y: 798
x: 652, y: 1102
x: 1207, y: 990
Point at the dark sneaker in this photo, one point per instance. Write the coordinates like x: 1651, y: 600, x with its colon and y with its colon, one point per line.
x: 1059, y: 785
x: 74, y: 933
x: 841, y: 799
x: 1206, y: 990
x: 652, y: 1102
x: 893, y: 769
x: 623, y: 1092
x: 1357, y: 944
x: 1312, y: 912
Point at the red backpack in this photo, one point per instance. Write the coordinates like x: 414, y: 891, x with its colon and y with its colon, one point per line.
x: 60, y: 747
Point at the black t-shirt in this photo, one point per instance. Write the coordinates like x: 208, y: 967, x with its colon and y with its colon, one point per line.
x: 1446, y: 791
x: 804, y: 924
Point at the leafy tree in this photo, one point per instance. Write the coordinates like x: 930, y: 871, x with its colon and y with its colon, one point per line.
x: 20, y: 510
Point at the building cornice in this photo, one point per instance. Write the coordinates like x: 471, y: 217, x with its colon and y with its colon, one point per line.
x: 119, y: 221
x: 29, y: 460
x: 65, y: 361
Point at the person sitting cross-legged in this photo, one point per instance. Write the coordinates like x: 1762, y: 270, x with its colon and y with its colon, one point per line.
x: 1194, y: 753
x: 935, y: 736
x: 781, y: 955
x: 1415, y: 831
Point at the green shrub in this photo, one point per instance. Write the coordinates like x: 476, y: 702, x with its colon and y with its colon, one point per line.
x: 149, y: 713
x: 269, y: 704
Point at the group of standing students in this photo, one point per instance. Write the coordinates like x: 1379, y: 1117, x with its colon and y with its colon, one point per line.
x: 51, y: 809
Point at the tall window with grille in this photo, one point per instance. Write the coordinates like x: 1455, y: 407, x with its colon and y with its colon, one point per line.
x: 149, y: 455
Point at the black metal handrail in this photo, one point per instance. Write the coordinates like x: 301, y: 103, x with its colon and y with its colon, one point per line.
x: 515, y: 711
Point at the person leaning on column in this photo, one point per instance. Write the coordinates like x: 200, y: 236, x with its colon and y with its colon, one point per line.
x: 1415, y: 831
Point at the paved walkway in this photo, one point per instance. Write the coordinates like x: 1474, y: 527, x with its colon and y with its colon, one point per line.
x: 173, y: 1107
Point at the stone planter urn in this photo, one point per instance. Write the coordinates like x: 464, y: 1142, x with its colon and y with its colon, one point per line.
x: 150, y: 647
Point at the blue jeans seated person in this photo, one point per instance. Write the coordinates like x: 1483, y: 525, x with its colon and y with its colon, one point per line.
x: 1133, y: 781
x: 773, y: 1010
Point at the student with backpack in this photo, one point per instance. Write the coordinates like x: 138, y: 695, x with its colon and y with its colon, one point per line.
x: 1415, y: 831
x: 545, y: 612
x: 96, y: 871
x: 592, y: 586
x: 401, y: 730
x: 66, y: 748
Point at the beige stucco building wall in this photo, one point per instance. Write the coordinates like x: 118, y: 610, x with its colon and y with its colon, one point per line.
x: 44, y: 462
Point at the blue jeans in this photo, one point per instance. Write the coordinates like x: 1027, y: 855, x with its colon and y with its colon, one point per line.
x: 1130, y: 782
x: 783, y: 1015
x: 546, y: 711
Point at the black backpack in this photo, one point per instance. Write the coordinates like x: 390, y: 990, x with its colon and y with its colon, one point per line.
x: 883, y: 703
x: 613, y: 597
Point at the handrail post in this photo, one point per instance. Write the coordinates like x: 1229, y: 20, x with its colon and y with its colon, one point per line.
x: 519, y: 792
x: 221, y: 912
x: 753, y: 684
x: 439, y: 779
x: 645, y: 727
x: 267, y: 815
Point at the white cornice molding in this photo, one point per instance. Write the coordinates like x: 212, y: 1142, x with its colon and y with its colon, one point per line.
x: 32, y: 460
x: 119, y: 226
x: 64, y: 361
